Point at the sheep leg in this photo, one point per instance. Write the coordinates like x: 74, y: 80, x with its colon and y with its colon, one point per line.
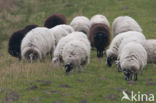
x: 135, y: 76
x: 141, y: 72
x: 97, y: 53
x: 51, y: 54
x: 79, y: 69
x: 82, y: 68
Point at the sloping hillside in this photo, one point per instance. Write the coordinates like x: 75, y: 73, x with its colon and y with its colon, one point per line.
x: 22, y: 82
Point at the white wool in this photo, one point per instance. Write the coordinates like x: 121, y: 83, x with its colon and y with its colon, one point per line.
x: 81, y: 23
x: 58, y: 33
x: 99, y: 19
x: 124, y: 24
x: 73, y: 36
x: 129, y: 39
x: 68, y: 28
x: 76, y: 53
x: 39, y: 39
x: 150, y: 46
x: 115, y: 44
x: 133, y: 56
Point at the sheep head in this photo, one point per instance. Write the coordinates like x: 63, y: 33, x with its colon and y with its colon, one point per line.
x: 128, y: 74
x: 68, y: 67
x: 32, y: 55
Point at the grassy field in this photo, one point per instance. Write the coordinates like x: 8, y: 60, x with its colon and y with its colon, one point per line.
x: 21, y: 82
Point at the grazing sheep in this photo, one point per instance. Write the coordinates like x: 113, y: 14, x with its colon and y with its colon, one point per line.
x: 15, y: 40
x: 37, y: 44
x: 57, y: 58
x: 68, y: 28
x: 130, y: 39
x: 99, y: 37
x: 81, y: 23
x: 132, y: 59
x: 75, y: 54
x: 99, y: 19
x: 55, y: 19
x: 58, y: 33
x: 124, y: 24
x: 112, y: 52
x: 150, y: 46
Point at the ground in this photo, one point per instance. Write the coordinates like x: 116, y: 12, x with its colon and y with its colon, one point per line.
x: 40, y: 82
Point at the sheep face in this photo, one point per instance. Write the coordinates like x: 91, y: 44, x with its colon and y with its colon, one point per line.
x: 31, y: 55
x: 110, y: 60
x: 68, y: 67
x: 99, y: 40
x: 56, y: 61
x: 128, y: 74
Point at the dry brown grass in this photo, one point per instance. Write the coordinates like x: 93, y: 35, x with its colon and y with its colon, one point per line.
x: 6, y: 5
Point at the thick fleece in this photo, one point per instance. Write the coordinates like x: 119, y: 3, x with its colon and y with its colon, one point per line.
x: 124, y: 24
x: 14, y: 45
x: 55, y: 19
x: 38, y: 42
x: 81, y: 24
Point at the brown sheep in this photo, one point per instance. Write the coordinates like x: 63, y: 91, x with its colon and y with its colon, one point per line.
x: 55, y: 19
x: 99, y: 37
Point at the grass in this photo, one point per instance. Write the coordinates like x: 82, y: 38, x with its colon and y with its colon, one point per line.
x: 98, y: 83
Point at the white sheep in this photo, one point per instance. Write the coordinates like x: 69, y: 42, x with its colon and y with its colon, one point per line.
x: 124, y: 24
x: 58, y: 33
x: 112, y: 52
x: 37, y: 44
x: 150, y: 46
x: 57, y: 58
x: 99, y: 19
x: 133, y: 58
x: 75, y: 54
x: 81, y: 24
x: 68, y: 28
x: 129, y: 39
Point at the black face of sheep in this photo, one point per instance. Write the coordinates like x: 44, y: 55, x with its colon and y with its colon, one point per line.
x: 68, y: 67
x: 128, y: 74
x: 110, y: 60
x: 99, y: 39
x: 54, y: 20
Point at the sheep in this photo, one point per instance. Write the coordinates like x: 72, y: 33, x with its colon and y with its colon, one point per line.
x: 57, y: 57
x: 37, y: 44
x: 99, y: 35
x: 58, y: 33
x: 99, y: 19
x: 55, y: 19
x: 124, y: 24
x: 112, y: 52
x: 75, y: 54
x: 82, y: 24
x: 15, y: 40
x: 132, y: 59
x: 150, y: 46
x: 68, y: 28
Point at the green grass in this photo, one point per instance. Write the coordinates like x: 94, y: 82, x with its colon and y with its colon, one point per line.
x: 98, y: 81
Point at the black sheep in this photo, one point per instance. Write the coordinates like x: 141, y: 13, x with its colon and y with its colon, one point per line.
x: 99, y: 37
x: 54, y: 20
x: 14, y: 46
